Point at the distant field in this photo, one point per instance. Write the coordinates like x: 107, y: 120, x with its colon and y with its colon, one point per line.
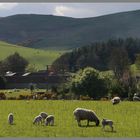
x: 39, y: 58
x: 126, y: 117
x: 134, y: 69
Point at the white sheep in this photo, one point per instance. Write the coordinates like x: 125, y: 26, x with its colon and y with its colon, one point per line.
x: 136, y: 97
x: 37, y: 120
x: 85, y: 114
x: 49, y: 120
x: 43, y: 115
x: 10, y: 118
x: 115, y: 100
x: 107, y: 122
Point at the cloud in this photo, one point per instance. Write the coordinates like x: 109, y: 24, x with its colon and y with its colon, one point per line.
x: 7, y: 6
x: 61, y: 10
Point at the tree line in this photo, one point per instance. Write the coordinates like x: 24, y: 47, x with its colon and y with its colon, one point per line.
x: 101, y: 55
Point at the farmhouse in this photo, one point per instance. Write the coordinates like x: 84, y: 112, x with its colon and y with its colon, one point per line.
x: 42, y: 79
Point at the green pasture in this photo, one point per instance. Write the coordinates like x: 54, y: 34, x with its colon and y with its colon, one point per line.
x: 38, y: 58
x: 126, y: 117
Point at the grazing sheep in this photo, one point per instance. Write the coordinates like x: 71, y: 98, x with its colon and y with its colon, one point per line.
x: 37, y: 120
x: 43, y: 115
x: 136, y: 97
x: 115, y: 100
x: 10, y: 118
x: 107, y: 122
x: 49, y: 120
x: 85, y: 114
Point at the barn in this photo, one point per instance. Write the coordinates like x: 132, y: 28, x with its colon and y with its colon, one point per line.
x: 42, y: 79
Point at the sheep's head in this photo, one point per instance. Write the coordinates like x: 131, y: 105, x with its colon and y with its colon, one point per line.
x: 103, y: 119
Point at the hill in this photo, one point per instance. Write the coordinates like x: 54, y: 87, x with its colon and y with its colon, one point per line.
x: 39, y: 58
x: 55, y: 32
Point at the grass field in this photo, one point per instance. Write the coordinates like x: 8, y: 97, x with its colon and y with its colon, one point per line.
x: 38, y: 58
x: 126, y: 117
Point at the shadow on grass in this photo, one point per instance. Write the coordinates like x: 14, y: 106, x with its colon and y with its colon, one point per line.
x: 12, y: 124
x: 48, y: 125
x: 110, y: 131
x: 89, y: 126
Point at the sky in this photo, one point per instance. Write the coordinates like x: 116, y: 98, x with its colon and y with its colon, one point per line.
x: 76, y: 10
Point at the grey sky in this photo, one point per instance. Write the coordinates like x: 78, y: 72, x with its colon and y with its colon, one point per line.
x: 78, y: 10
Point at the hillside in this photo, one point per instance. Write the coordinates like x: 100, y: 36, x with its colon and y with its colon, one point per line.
x: 47, y: 31
x: 39, y: 58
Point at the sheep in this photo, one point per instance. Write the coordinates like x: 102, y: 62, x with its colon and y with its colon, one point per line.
x: 107, y: 122
x: 115, y: 100
x: 85, y: 114
x: 43, y: 115
x: 136, y: 97
x: 10, y: 118
x: 49, y: 120
x: 37, y: 120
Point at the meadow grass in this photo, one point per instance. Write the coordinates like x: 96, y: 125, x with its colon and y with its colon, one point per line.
x: 38, y: 58
x: 126, y: 117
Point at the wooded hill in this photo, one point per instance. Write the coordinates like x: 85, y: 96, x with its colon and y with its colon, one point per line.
x: 55, y: 32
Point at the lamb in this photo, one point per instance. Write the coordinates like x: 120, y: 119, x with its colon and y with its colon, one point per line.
x: 43, y: 115
x: 115, y: 100
x: 85, y: 114
x: 10, y: 118
x: 37, y: 120
x: 107, y: 122
x: 49, y: 120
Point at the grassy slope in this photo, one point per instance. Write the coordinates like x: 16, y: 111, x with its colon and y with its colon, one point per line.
x: 40, y: 58
x: 126, y: 117
x: 64, y: 32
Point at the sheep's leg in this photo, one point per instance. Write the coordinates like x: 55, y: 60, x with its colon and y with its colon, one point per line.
x: 79, y: 123
x: 87, y: 122
x: 46, y: 123
x: 52, y: 122
x: 41, y: 121
x: 112, y: 128
x: 103, y: 128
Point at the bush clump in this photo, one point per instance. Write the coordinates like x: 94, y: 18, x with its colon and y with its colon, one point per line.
x: 2, y: 96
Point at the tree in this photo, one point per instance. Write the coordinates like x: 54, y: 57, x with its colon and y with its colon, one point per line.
x: 137, y: 61
x: 2, y: 83
x: 14, y: 63
x: 87, y: 82
x: 119, y: 62
x: 32, y: 87
x: 3, y: 68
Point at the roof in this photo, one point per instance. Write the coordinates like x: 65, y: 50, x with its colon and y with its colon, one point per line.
x: 9, y: 73
x: 26, y: 74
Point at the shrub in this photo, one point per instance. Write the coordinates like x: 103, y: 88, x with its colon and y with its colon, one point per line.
x: 84, y: 97
x: 12, y: 98
x: 2, y: 96
x: 25, y: 97
x: 88, y: 82
x: 104, y: 99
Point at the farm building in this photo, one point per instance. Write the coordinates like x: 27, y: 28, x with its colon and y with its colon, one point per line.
x: 42, y: 79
